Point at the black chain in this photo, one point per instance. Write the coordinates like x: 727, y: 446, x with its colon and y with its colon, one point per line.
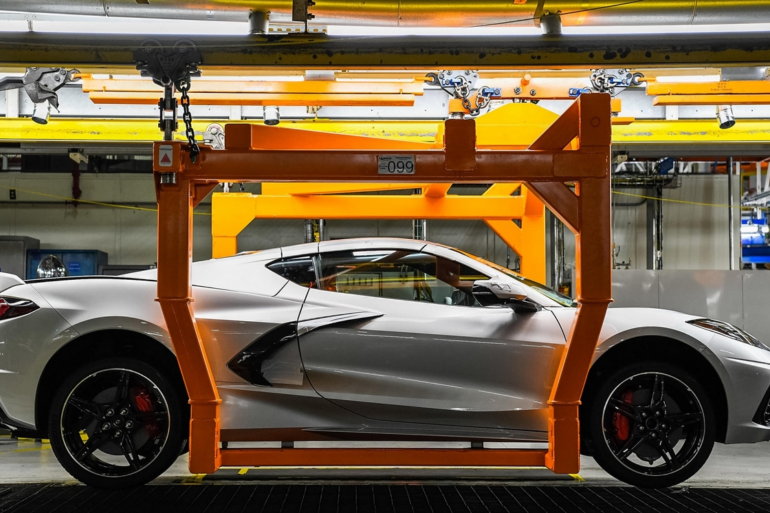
x: 184, y: 86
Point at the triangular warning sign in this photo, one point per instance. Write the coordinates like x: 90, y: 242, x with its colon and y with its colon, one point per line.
x: 164, y: 159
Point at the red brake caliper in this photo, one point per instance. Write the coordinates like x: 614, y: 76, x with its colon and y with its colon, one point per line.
x: 622, y: 426
x: 144, y: 405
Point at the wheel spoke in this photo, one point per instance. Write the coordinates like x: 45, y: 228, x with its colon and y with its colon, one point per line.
x: 685, y: 419
x: 148, y: 416
x: 630, y: 446
x: 84, y: 406
x: 625, y: 409
x: 121, y: 392
x: 658, y: 389
x: 665, y: 449
x: 129, y: 451
x: 93, y: 443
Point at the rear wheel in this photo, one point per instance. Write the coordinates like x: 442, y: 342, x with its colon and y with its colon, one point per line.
x: 652, y: 425
x: 116, y: 423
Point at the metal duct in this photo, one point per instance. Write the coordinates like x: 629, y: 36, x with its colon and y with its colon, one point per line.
x: 423, y: 13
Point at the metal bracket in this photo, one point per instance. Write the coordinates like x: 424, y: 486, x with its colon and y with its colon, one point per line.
x: 214, y: 136
x: 300, y: 11
x: 78, y: 156
x: 41, y: 84
x: 605, y: 81
x: 168, y: 67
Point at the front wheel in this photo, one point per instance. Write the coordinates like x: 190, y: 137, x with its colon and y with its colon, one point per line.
x: 652, y: 425
x: 116, y: 423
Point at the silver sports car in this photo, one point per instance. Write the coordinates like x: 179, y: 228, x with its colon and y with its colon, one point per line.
x: 366, y: 339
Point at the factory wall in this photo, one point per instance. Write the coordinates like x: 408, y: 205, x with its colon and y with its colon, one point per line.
x: 128, y: 234
x: 695, y: 237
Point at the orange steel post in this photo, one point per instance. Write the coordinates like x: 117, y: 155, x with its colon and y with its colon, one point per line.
x: 175, y: 204
x: 589, y: 218
x: 544, y: 168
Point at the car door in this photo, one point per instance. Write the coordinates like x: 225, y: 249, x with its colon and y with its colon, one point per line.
x: 430, y: 354
x: 250, y: 345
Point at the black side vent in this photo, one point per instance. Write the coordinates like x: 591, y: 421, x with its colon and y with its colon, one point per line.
x: 248, y: 363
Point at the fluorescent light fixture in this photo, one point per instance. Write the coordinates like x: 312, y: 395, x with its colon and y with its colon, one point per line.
x: 691, y: 78
x: 220, y: 78
x: 526, y: 28
x: 749, y: 228
x: 343, y: 78
x: 43, y: 22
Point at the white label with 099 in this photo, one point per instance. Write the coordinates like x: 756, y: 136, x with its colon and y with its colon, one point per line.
x: 395, y: 164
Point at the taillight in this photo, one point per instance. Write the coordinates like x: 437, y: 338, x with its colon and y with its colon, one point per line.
x: 12, y: 307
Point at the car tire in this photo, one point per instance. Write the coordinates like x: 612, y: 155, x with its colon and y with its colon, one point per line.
x: 117, y: 423
x: 652, y: 425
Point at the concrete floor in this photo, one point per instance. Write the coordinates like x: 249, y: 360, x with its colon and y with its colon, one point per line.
x: 735, y: 466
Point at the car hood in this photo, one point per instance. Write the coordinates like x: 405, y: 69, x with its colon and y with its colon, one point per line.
x: 624, y: 323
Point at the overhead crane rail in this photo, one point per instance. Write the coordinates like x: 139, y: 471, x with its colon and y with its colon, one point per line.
x: 88, y: 51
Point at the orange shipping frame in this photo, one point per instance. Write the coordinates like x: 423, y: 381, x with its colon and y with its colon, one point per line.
x: 546, y: 167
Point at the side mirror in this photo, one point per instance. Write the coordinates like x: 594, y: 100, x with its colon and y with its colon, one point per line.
x: 497, y: 292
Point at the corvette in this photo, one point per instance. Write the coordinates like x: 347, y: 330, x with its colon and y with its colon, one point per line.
x: 366, y: 339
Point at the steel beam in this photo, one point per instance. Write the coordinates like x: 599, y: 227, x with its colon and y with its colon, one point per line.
x: 402, y: 52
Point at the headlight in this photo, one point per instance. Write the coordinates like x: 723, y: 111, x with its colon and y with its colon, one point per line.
x: 729, y: 331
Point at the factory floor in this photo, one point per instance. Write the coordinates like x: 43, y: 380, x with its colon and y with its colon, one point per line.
x: 734, y: 479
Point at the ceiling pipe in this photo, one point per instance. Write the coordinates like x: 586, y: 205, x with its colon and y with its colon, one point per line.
x: 423, y: 13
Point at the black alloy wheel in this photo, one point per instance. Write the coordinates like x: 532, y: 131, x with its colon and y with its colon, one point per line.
x: 652, y: 425
x: 116, y: 423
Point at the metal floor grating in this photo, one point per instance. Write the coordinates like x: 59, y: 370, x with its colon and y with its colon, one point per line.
x: 285, y: 498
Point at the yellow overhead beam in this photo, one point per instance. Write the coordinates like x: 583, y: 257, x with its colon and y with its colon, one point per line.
x: 498, y: 133
x: 146, y: 130
x: 721, y: 87
x: 712, y: 99
x: 691, y: 132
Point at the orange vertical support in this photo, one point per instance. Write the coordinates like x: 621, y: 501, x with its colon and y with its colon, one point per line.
x: 175, y: 205
x: 588, y: 119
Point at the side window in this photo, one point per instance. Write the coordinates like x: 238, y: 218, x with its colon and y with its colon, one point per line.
x: 300, y: 270
x: 399, y: 274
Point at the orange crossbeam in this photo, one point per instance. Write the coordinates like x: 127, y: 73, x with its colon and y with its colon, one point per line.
x: 387, y: 207
x: 384, y: 457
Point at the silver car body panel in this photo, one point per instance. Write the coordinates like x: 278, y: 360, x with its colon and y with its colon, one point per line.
x: 407, y: 369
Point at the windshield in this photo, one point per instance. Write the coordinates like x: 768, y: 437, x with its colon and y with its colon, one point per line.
x: 539, y: 287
